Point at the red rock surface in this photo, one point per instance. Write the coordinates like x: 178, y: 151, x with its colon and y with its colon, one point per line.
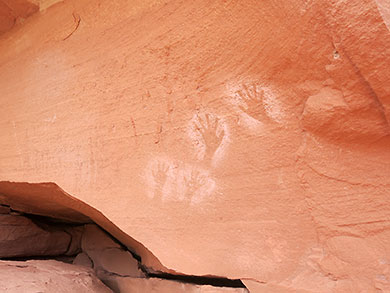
x: 241, y: 139
x: 82, y: 259
x: 21, y: 237
x: 107, y: 255
x: 48, y: 276
x: 12, y: 11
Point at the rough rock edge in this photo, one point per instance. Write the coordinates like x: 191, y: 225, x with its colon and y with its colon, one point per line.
x: 153, y: 268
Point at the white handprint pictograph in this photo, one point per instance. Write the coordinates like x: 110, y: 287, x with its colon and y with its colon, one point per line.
x: 197, y: 185
x: 252, y: 101
x: 193, y: 182
x: 209, y: 136
x: 211, y: 133
x: 257, y: 103
x: 160, y: 177
x: 178, y: 181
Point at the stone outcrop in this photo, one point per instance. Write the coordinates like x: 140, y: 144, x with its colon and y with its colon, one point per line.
x: 21, y: 237
x: 242, y: 139
x: 14, y: 12
x: 48, y: 276
x: 107, y: 256
x: 88, y: 246
x: 82, y: 259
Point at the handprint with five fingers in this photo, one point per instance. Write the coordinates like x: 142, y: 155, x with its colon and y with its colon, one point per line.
x: 211, y: 132
x: 160, y: 177
x: 253, y: 101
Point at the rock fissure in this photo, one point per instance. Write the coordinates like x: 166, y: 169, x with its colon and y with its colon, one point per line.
x: 343, y: 180
x: 88, y: 245
x: 200, y: 280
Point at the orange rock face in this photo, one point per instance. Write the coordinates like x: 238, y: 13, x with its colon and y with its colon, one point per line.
x: 242, y: 139
x: 13, y: 11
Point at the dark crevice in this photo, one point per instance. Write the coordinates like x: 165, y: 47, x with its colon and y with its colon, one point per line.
x: 37, y: 219
x: 200, y: 280
x: 62, y: 258
x: 49, y: 223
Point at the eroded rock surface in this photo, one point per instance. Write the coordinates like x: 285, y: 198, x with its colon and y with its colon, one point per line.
x: 22, y: 237
x: 82, y: 259
x: 26, y: 237
x: 48, y: 276
x: 244, y: 139
x: 107, y: 256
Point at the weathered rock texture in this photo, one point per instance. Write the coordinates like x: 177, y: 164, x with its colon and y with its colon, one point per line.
x: 111, y: 262
x: 107, y: 256
x: 48, y: 276
x: 246, y: 139
x: 47, y: 199
x: 14, y: 12
x: 21, y: 237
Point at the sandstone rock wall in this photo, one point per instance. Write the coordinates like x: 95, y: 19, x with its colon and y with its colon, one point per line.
x: 242, y: 139
x: 41, y: 254
x: 48, y: 276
